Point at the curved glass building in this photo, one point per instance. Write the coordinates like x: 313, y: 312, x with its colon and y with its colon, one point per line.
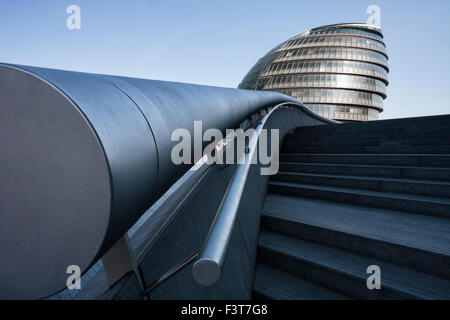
x: 339, y: 71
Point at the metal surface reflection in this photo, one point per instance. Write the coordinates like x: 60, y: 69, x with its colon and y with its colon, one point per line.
x: 82, y: 156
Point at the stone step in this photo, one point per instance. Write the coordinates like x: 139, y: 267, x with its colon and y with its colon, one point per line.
x: 429, y: 173
x: 346, y: 272
x: 349, y: 149
x: 393, y: 125
x: 418, y: 160
x: 343, y: 130
x: 372, y: 141
x: 366, y: 136
x: 274, y: 284
x: 430, y: 188
x: 410, y: 240
x: 439, y: 207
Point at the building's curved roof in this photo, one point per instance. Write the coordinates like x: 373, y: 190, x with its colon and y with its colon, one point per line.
x: 339, y: 70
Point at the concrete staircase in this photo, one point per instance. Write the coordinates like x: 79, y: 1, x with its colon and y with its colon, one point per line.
x: 353, y: 195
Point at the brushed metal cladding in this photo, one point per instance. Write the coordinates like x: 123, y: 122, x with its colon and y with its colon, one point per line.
x: 82, y: 156
x: 54, y: 187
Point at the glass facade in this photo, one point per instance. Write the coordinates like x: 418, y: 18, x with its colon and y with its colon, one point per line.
x: 344, y: 112
x: 327, y: 81
x: 328, y: 66
x: 335, y: 41
x: 337, y: 96
x: 339, y: 71
x: 333, y: 53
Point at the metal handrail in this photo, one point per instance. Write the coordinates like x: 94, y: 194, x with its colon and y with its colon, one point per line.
x: 146, y: 290
x: 207, y: 270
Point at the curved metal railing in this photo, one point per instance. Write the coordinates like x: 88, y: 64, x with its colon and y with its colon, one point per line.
x: 207, y: 269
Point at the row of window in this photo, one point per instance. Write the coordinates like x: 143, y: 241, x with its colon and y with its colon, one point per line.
x: 333, y: 53
x: 334, y: 41
x: 253, y: 84
x: 326, y: 80
x: 256, y: 71
x: 347, y: 31
x: 331, y: 96
x: 345, y: 112
x: 337, y: 66
x: 342, y: 112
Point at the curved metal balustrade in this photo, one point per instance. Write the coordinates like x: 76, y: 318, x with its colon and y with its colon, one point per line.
x: 207, y: 270
x: 222, y: 206
x: 83, y: 156
x: 168, y: 237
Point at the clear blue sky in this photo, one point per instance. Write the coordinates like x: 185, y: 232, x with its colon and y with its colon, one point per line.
x: 216, y: 42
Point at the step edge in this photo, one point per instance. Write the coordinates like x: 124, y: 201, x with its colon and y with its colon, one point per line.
x: 368, y: 236
x: 352, y: 177
x: 339, y: 268
x: 410, y: 197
